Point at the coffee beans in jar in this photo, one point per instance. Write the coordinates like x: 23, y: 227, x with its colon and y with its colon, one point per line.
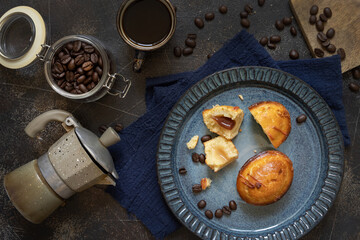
x: 77, y: 67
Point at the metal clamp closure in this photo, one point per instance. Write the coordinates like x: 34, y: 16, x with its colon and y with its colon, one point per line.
x: 110, y: 81
x: 45, y: 49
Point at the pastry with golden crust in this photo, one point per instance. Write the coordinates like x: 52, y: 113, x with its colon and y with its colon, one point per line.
x: 274, y: 119
x: 265, y: 178
x: 223, y: 120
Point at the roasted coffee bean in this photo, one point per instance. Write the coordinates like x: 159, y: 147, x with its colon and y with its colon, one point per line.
x: 232, y: 205
x: 223, y: 9
x: 89, y: 49
x: 58, y: 67
x: 226, y: 210
x: 201, y: 204
x: 314, y: 10
x: 321, y: 36
x: 330, y: 33
x: 301, y: 118
x: 209, y: 214
x: 196, y: 188
x: 80, y: 70
x: 326, y: 43
x: 248, y: 8
x: 192, y: 35
x: 271, y: 46
x: 182, y: 171
x: 66, y: 51
x: 87, y: 81
x: 77, y: 46
x: 190, y: 42
x: 261, y: 3
x: 87, y: 57
x: 89, y: 86
x: 102, y: 128
x: 199, y: 22
x: 59, y: 82
x: 74, y: 54
x: 323, y: 18
x: 293, y: 54
x: 68, y: 84
x: 90, y: 73
x: 187, y: 51
x: 99, y: 70
x: 209, y: 16
x: 70, y: 46
x: 95, y: 77
x: 331, y: 48
x: 71, y: 65
x: 65, y: 59
x: 79, y: 60
x: 195, y: 157
x: 287, y: 20
x: 119, y: 127
x: 63, y: 85
x: 69, y: 88
x: 244, y: 14
x: 100, y: 62
x: 87, y: 66
x: 73, y: 91
x: 275, y: 39
x: 61, y: 54
x: 177, y: 51
x: 354, y: 87
x: 202, y: 158
x: 356, y: 73
x: 279, y: 25
x: 218, y: 213
x: 318, y: 52
x: 69, y: 76
x: 312, y: 19
x: 245, y: 22
x: 83, y: 88
x: 205, y: 138
x: 293, y: 31
x: 319, y: 25
x: 94, y: 58
x: 327, y: 12
x: 81, y: 79
x: 263, y: 41
x: 210, y: 55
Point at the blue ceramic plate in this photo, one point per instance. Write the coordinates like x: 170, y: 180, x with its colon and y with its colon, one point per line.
x: 315, y: 148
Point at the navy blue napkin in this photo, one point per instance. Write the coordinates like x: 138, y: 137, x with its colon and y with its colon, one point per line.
x: 137, y: 189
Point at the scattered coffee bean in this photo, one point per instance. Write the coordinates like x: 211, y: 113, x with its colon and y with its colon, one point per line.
x: 263, y: 41
x: 293, y: 31
x: 314, y: 10
x: 177, y: 51
x: 87, y: 66
x: 327, y: 12
x: 318, y: 52
x: 205, y: 138
x: 201, y: 204
x: 187, y: 51
x: 79, y: 60
x: 195, y: 157
x: 196, y: 188
x: 293, y: 54
x: 65, y: 59
x: 210, y: 55
x: 245, y: 22
x: 199, y: 22
x: 190, y: 42
x: 301, y: 118
x: 209, y: 214
x: 202, y: 158
x: 244, y: 14
x: 323, y: 18
x: 102, y: 128
x: 232, y: 205
x: 287, y: 20
x: 331, y: 48
x: 261, y: 3
x: 330, y: 33
x: 356, y: 73
x: 192, y: 35
x: 326, y: 43
x: 223, y: 9
x: 226, y: 210
x: 182, y: 171
x: 76, y: 46
x: 312, y: 19
x: 321, y: 36
x: 354, y: 87
x: 218, y: 213
x: 94, y: 58
x: 81, y: 79
x: 275, y: 39
x: 319, y: 25
x: 271, y: 46
x: 119, y: 127
x: 209, y: 16
x: 279, y: 25
x: 71, y: 65
x: 248, y: 8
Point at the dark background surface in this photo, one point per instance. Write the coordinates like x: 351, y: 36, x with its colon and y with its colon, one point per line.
x: 94, y: 214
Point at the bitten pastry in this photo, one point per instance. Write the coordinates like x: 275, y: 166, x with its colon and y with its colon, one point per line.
x: 274, y: 119
x: 193, y: 142
x: 219, y: 152
x: 223, y: 120
x: 265, y: 178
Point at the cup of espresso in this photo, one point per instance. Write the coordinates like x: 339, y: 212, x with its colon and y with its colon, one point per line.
x: 146, y: 25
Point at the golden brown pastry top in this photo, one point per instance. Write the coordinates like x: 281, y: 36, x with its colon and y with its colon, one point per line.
x: 274, y: 119
x: 265, y: 178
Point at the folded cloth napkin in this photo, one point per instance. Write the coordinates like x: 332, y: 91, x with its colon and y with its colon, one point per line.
x: 135, y: 155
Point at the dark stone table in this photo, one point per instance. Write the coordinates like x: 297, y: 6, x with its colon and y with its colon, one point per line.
x: 94, y: 214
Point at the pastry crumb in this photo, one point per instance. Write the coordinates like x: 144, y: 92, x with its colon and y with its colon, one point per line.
x: 193, y: 142
x: 240, y: 130
x: 241, y: 97
x: 255, y: 151
x: 205, y: 183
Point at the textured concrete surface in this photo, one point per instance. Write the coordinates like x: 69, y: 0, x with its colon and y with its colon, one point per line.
x: 94, y: 214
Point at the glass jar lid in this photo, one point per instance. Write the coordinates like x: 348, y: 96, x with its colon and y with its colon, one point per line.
x: 22, y: 34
